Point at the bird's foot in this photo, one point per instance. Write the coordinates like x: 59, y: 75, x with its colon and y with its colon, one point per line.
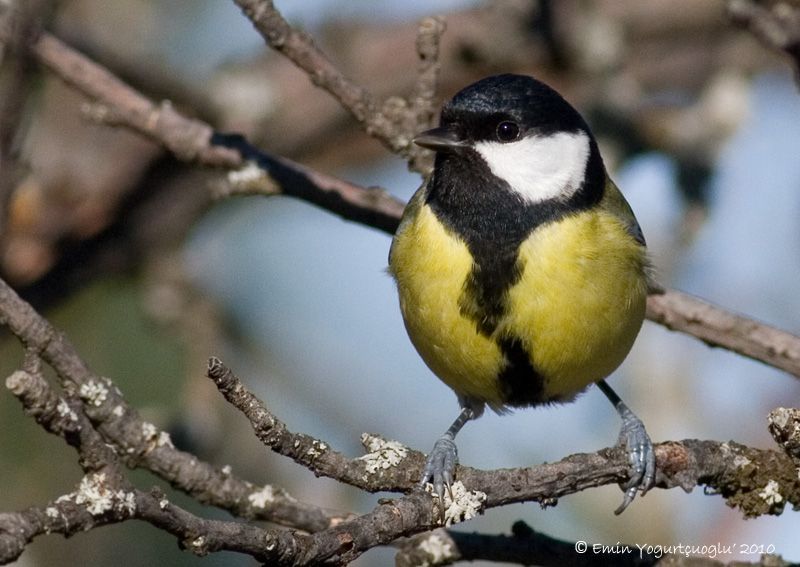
x: 641, y: 455
x: 440, y: 465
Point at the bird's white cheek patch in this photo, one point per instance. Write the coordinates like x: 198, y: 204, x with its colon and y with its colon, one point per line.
x: 540, y: 167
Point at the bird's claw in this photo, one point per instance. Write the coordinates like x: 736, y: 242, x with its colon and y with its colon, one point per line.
x: 440, y: 466
x: 641, y: 455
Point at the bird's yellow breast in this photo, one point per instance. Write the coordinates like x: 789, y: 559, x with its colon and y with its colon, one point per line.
x: 576, y: 307
x: 431, y: 265
x: 580, y: 301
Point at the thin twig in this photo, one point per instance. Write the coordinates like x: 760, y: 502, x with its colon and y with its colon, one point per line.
x: 394, y: 121
x: 423, y: 96
x: 301, y: 50
x: 315, y: 455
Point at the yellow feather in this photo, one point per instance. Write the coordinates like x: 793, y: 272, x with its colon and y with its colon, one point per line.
x: 430, y: 265
x: 580, y: 301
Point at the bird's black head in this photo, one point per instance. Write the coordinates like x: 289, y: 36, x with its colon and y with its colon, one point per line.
x: 509, y: 107
x: 515, y: 133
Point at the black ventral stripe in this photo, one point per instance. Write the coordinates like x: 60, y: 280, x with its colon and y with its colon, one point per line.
x: 521, y: 384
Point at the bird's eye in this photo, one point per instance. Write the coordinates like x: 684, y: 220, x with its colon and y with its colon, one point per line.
x: 507, y: 131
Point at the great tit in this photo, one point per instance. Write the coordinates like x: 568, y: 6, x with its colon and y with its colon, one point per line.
x: 521, y: 270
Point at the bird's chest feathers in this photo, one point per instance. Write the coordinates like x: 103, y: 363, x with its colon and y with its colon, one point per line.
x: 571, y: 295
x: 431, y: 266
x: 580, y: 299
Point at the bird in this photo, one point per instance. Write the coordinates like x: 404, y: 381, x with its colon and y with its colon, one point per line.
x: 521, y: 270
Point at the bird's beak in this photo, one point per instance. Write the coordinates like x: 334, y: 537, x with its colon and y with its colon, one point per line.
x: 441, y: 139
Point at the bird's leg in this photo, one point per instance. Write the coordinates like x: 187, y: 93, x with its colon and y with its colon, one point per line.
x: 641, y: 455
x: 443, y: 458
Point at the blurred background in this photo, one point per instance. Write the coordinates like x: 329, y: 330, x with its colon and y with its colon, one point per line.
x: 123, y: 248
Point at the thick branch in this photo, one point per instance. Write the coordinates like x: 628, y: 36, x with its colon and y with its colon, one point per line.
x: 738, y: 473
x: 717, y: 327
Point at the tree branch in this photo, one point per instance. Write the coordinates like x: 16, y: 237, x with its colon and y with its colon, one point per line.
x: 300, y: 48
x: 395, y: 121
x: 739, y: 473
x: 140, y: 443
x: 717, y: 327
x: 106, y: 496
x: 373, y: 474
x: 372, y: 206
x: 184, y: 137
x: 756, y: 481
